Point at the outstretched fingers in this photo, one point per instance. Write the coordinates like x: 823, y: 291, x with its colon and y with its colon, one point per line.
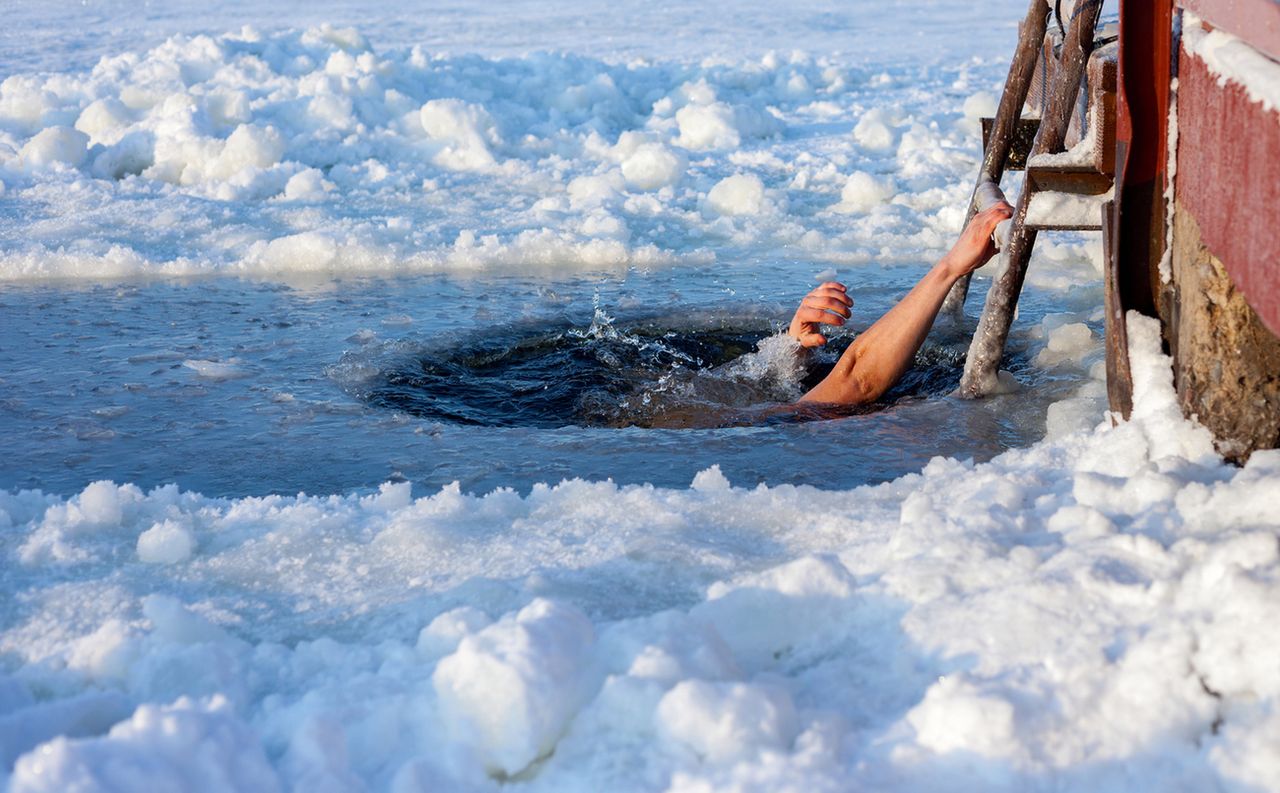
x: 823, y: 316
x: 827, y: 304
x: 830, y: 296
x: 834, y: 294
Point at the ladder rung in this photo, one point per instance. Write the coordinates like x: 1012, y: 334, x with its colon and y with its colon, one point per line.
x: 1079, y: 180
x: 1066, y: 227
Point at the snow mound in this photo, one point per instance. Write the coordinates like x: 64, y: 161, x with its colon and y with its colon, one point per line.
x: 467, y: 133
x: 514, y: 686
x: 652, y: 166
x: 726, y: 722
x: 55, y: 145
x: 740, y: 194
x: 192, y: 746
x: 863, y: 192
x: 874, y: 130
x: 167, y: 542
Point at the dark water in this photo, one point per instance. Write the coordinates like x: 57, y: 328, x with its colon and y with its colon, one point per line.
x: 639, y: 375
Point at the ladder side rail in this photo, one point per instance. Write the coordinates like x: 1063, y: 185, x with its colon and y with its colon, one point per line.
x: 982, y: 363
x: 1000, y: 139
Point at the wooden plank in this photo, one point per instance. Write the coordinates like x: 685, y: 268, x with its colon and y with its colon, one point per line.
x: 1066, y: 226
x: 1077, y: 180
x: 1102, y: 98
x: 983, y: 360
x: 1119, y: 375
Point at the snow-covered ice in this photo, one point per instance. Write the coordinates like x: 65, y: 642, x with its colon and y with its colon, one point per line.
x: 1088, y: 612
x: 327, y: 153
x: 188, y: 208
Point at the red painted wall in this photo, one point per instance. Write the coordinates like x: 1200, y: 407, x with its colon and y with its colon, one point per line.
x: 1228, y: 177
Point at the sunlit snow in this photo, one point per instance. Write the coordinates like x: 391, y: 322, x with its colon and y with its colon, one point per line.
x: 220, y: 223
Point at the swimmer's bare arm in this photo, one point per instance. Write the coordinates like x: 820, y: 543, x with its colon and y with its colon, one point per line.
x: 875, y: 361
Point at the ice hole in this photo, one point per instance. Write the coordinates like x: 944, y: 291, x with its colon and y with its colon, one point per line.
x: 639, y: 374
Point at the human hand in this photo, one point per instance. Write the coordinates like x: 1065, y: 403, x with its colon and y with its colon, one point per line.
x: 975, y: 246
x: 825, y: 305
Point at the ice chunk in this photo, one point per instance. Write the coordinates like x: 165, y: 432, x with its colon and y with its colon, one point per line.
x: 586, y: 192
x: 189, y: 746
x: 442, y: 636
x: 710, y: 480
x: 725, y: 722
x: 958, y: 716
x: 215, y: 370
x: 466, y: 131
x: 28, y: 724
x: 346, y: 39
x: 652, y: 166
x: 308, y: 251
x: 27, y: 106
x: 166, y: 542
x: 103, y: 119
x: 1079, y: 412
x: 56, y: 145
x: 740, y: 194
x: 173, y: 622
x: 873, y: 132
x: 863, y: 192
x: 106, y: 654
x: 766, y: 616
x: 873, y: 135
x: 129, y: 156
x: 707, y: 127
x: 1245, y: 752
x: 1068, y: 343
x: 976, y: 106
x: 249, y: 146
x: 308, y: 185
x: 100, y: 504
x: 514, y: 686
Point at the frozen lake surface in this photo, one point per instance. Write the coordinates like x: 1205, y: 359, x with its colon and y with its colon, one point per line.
x: 381, y: 409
